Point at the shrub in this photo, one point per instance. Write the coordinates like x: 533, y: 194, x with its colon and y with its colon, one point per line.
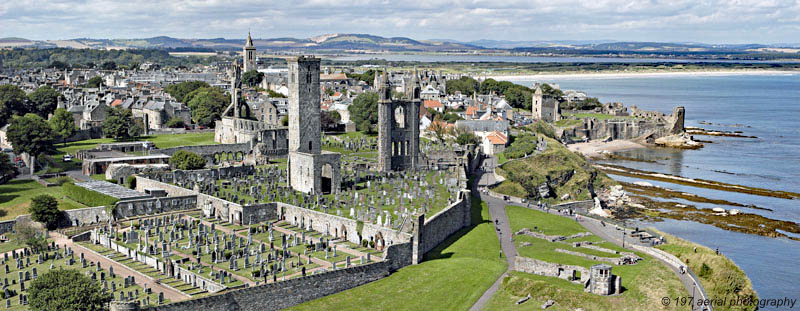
x: 364, y: 243
x: 87, y: 197
x: 44, y: 209
x: 131, y: 182
x: 194, y: 252
x: 227, y: 254
x: 705, y: 271
x: 185, y: 160
x: 73, y: 290
x: 256, y: 273
x: 372, y: 244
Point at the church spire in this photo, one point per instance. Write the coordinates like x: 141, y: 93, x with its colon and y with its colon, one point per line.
x: 249, y: 39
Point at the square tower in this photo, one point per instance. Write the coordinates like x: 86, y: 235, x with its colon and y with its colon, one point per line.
x: 311, y: 170
x: 249, y: 55
x: 304, y: 105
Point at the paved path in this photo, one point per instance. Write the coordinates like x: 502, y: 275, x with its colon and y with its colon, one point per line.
x: 497, y: 212
x: 120, y: 269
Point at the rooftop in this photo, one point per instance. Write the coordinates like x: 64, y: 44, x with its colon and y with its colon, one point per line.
x: 112, y: 190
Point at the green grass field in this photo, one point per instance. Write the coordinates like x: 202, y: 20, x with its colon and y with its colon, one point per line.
x: 16, y: 195
x: 644, y: 284
x: 452, y: 277
x: 161, y: 141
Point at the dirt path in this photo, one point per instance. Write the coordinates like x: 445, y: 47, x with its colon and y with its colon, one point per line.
x: 119, y: 269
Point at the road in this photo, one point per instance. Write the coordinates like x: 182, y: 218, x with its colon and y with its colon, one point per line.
x: 497, y: 211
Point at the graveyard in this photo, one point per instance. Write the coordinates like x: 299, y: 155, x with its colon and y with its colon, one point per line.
x: 22, y: 267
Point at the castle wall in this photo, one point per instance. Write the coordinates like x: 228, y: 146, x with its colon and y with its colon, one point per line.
x: 446, y: 222
x: 150, y: 206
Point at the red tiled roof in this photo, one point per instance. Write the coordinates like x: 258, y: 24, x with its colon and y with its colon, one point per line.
x: 116, y: 102
x: 497, y: 138
x: 432, y: 104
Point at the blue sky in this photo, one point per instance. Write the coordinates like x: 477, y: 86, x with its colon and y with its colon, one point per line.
x: 709, y: 21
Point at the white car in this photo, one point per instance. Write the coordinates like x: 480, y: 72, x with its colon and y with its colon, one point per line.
x: 67, y: 158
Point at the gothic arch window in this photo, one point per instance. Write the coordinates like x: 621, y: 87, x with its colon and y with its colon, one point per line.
x: 400, y: 117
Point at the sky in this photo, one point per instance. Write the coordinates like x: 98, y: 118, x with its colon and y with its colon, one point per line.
x: 707, y: 21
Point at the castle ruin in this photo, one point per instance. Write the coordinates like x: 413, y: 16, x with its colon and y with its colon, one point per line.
x: 398, y: 126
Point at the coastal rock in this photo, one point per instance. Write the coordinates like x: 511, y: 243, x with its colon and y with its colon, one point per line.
x: 682, y: 141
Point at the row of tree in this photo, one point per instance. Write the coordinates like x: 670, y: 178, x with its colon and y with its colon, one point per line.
x: 518, y: 96
x: 13, y: 101
x: 61, y: 58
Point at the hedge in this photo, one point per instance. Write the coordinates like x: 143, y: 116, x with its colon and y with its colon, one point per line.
x: 88, y: 197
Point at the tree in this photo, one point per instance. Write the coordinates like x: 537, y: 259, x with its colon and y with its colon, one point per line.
x: 465, y: 85
x: 44, y: 209
x: 364, y: 111
x: 329, y: 119
x: 175, y: 123
x: 94, y: 82
x: 274, y: 94
x: 43, y: 101
x: 439, y: 128
x: 180, y: 90
x: 30, y: 134
x: 285, y: 121
x: 31, y: 235
x: 67, y: 290
x: 518, y: 97
x: 6, y: 167
x: 186, y: 160
x: 118, y: 123
x: 466, y: 138
x: 109, y: 65
x: 12, y: 101
x: 207, y: 105
x: 252, y: 78
x: 63, y: 124
x: 58, y: 65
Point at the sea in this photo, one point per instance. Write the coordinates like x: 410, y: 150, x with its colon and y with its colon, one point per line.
x: 766, y: 106
x: 441, y: 57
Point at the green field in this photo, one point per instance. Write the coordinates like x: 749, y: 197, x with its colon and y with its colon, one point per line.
x: 452, y: 277
x: 644, y: 284
x: 16, y: 195
x: 161, y: 141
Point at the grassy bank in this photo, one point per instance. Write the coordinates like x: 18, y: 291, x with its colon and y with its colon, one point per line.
x: 722, y: 279
x: 16, y: 195
x: 452, y: 277
x: 566, y: 172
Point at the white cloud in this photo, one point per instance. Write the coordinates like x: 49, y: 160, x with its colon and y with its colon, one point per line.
x: 653, y: 20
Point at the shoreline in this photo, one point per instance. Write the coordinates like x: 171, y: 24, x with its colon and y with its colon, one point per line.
x: 597, y: 148
x: 642, y: 74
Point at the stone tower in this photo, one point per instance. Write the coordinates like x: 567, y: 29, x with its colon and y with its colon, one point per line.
x: 602, y: 282
x: 545, y: 107
x: 398, y: 126
x: 311, y: 170
x: 249, y: 55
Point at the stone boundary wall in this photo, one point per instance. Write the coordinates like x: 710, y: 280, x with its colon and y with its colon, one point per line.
x: 576, y: 205
x: 86, y: 215
x: 321, y: 222
x: 285, y: 294
x: 149, y: 206
x: 446, y: 222
x: 196, y: 280
x: 530, y: 265
x: 672, y: 261
x: 204, y: 201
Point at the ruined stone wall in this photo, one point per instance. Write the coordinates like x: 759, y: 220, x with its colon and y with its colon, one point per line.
x: 206, y: 202
x: 7, y: 226
x: 150, y: 206
x: 530, y: 265
x: 83, y: 216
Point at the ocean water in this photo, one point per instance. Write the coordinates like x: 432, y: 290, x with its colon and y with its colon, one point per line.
x: 428, y: 58
x: 766, y: 106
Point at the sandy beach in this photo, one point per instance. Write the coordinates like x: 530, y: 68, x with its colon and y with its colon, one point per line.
x: 643, y: 74
x: 596, y: 148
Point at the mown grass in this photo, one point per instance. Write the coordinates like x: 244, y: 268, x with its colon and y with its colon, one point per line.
x: 725, y: 280
x: 452, y: 277
x: 16, y: 195
x: 161, y: 141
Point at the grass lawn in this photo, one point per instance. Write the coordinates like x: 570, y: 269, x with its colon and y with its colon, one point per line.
x: 452, y: 277
x: 16, y: 195
x: 161, y: 141
x: 644, y: 284
x: 724, y: 280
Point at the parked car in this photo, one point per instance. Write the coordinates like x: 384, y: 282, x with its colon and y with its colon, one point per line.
x: 67, y: 158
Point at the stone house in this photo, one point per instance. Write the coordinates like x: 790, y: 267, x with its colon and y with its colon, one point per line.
x: 494, y: 143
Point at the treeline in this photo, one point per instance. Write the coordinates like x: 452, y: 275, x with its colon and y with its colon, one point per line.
x: 90, y: 58
x: 518, y: 96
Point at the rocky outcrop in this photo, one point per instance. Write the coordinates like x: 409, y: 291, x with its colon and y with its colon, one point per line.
x: 682, y: 141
